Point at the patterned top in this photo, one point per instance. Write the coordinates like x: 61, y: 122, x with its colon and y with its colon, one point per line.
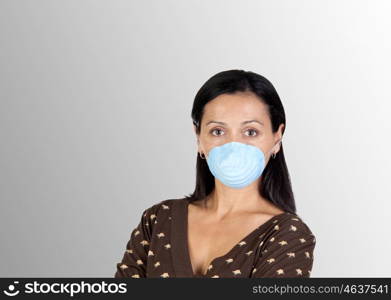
x: 283, y: 246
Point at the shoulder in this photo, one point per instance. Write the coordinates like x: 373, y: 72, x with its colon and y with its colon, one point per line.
x: 160, y: 209
x: 290, y: 225
x: 287, y: 249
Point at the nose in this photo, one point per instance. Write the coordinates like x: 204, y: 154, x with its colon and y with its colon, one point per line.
x: 236, y: 138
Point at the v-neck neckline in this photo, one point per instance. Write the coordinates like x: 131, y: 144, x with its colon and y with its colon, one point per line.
x: 183, y: 230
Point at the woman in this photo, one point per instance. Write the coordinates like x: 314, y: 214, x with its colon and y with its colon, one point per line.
x: 241, y: 219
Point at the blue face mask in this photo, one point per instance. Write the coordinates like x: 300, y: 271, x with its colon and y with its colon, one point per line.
x: 236, y: 164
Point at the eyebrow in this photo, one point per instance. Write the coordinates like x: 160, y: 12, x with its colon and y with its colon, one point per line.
x: 245, y: 122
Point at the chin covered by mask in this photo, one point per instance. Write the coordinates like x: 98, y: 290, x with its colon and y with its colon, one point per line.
x: 236, y: 164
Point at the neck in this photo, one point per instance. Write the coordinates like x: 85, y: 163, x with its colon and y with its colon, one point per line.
x: 224, y: 200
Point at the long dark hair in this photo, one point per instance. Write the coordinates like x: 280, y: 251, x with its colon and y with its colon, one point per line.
x: 275, y: 184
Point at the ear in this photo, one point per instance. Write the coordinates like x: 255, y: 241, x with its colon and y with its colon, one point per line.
x: 279, y: 138
x: 281, y: 130
x: 195, y: 131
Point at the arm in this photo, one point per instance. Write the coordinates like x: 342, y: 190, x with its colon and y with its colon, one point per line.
x: 134, y: 260
x: 288, y: 253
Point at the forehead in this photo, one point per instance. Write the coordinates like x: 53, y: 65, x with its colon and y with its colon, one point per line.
x: 235, y: 107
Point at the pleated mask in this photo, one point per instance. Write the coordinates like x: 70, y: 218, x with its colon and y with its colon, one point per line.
x: 236, y: 164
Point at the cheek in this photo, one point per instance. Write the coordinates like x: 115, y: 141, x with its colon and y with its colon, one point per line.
x: 209, y: 145
x: 260, y: 145
x: 205, y: 143
x: 208, y: 142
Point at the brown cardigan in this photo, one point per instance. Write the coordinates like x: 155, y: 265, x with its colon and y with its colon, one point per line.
x: 281, y: 247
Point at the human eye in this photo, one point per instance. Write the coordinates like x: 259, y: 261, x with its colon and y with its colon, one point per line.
x: 214, y: 130
x: 252, y: 130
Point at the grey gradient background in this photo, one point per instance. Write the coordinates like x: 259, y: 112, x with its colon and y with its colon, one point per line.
x: 95, y: 100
